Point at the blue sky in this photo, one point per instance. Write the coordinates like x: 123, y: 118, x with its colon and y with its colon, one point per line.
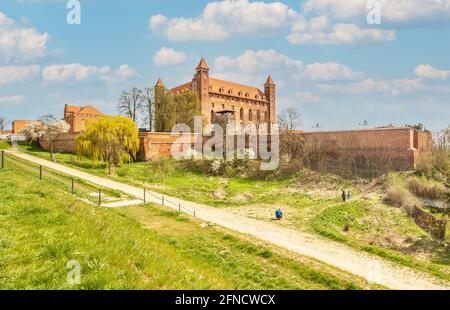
x: 327, y: 60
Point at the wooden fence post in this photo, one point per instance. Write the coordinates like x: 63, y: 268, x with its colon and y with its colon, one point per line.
x: 99, y: 196
x: 3, y: 159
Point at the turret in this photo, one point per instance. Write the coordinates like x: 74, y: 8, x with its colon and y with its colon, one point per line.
x: 201, y: 85
x: 269, y: 91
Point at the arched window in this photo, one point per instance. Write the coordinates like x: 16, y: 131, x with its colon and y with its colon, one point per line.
x: 250, y: 115
x: 241, y: 114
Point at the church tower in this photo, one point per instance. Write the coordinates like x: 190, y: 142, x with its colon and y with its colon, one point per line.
x: 269, y: 91
x: 201, y: 85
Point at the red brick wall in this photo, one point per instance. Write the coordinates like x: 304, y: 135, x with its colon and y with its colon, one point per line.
x: 392, y: 144
x: 64, y: 143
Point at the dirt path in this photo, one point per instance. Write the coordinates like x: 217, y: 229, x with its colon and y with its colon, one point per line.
x: 370, y: 267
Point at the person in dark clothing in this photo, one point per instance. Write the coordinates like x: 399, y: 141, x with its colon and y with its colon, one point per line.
x: 344, y: 196
x: 279, y: 214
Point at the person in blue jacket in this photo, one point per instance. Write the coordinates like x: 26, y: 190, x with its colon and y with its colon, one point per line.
x: 349, y: 196
x: 279, y: 214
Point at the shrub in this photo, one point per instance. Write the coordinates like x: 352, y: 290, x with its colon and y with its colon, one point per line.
x: 435, y: 164
x: 399, y: 196
x: 424, y: 190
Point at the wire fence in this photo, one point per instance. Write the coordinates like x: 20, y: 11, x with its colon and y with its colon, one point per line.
x: 80, y: 187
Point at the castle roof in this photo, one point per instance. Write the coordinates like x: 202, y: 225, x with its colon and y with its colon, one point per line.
x: 87, y: 110
x: 269, y: 81
x: 182, y: 87
x: 235, y: 89
x: 202, y: 64
x: 159, y: 83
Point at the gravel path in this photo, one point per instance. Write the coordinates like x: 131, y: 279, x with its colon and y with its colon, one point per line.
x: 370, y: 267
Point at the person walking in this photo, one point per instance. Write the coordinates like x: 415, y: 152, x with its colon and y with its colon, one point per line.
x: 344, y: 196
x: 349, y: 196
x: 279, y: 214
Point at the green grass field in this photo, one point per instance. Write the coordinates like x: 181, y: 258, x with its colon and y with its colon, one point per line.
x: 310, y: 201
x: 142, y: 247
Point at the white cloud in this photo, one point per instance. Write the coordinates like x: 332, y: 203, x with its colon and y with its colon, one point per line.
x: 331, y: 71
x: 17, y: 99
x: 18, y: 44
x: 10, y: 74
x: 251, y: 61
x: 168, y: 56
x: 320, y: 30
x: 77, y: 73
x: 368, y: 86
x: 429, y: 72
x: 220, y: 20
x: 252, y: 65
x: 393, y: 11
x: 119, y: 76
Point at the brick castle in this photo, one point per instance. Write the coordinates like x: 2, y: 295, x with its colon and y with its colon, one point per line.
x: 400, y: 147
x: 245, y: 103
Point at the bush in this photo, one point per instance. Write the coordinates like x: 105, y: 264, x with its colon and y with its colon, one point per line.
x: 430, y: 190
x: 435, y: 164
x: 399, y: 196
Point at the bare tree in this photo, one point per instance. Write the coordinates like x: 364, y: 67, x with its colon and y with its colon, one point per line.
x: 289, y: 120
x: 148, y: 106
x: 442, y: 138
x: 4, y: 123
x: 130, y: 102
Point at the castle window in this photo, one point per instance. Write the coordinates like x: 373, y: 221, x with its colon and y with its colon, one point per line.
x: 232, y: 107
x: 230, y: 91
x: 240, y: 93
x: 221, y: 90
x: 241, y: 114
x: 212, y: 105
x: 250, y: 115
x: 223, y: 107
x: 247, y: 95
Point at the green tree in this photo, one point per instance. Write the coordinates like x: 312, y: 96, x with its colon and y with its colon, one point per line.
x: 187, y: 106
x: 165, y: 112
x: 110, y: 139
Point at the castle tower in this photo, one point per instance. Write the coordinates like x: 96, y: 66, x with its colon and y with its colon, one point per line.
x: 269, y: 91
x: 201, y: 85
x: 159, y: 93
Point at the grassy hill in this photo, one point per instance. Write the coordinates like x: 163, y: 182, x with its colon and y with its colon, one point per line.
x: 142, y: 247
x: 310, y: 200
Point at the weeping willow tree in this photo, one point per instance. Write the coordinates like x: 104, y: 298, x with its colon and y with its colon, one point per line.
x: 111, y: 139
